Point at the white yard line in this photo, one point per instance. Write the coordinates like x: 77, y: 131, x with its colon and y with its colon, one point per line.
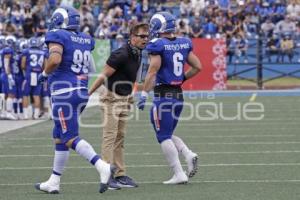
x: 160, y: 154
x: 160, y: 166
x: 160, y: 182
x: 141, y: 144
x: 185, y: 136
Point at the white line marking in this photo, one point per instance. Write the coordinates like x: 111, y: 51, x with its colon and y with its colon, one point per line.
x: 142, y: 137
x: 159, y: 166
x: 139, y: 144
x: 160, y: 182
x: 160, y: 154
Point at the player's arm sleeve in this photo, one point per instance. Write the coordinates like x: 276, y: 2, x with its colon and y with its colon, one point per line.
x: 155, y: 47
x: 116, y: 59
x: 54, y: 37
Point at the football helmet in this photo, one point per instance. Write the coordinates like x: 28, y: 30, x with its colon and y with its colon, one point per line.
x: 162, y: 22
x: 65, y: 17
x: 10, y: 41
x: 34, y: 42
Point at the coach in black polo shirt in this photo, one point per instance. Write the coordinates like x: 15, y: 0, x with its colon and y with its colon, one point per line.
x: 118, y: 76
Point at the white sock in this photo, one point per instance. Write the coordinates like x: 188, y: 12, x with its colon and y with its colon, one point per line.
x: 84, y: 149
x: 36, y: 113
x: 60, y: 160
x: 26, y: 112
x: 181, y: 146
x: 171, y: 155
x: 9, y: 104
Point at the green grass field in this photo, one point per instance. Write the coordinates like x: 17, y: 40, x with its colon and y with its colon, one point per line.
x: 239, y: 159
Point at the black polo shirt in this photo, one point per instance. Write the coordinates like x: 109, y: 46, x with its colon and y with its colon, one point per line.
x: 126, y: 62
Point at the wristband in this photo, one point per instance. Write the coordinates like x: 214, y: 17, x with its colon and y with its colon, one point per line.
x: 45, y: 74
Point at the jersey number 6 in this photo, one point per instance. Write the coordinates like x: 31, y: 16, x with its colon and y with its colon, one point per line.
x: 178, y: 66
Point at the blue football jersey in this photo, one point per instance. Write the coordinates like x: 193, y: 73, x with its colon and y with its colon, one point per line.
x: 1, y: 60
x: 74, y: 67
x: 8, y: 51
x: 34, y: 60
x: 17, y: 64
x: 174, y: 53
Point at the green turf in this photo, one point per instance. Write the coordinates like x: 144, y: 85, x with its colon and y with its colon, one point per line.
x: 239, y: 159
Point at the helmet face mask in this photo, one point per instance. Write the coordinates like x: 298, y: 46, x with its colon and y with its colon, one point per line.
x: 162, y: 22
x: 65, y: 17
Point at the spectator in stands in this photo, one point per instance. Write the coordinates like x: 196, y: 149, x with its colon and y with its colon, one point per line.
x: 198, y: 6
x: 267, y: 27
x: 272, y: 48
x: 28, y: 27
x: 87, y: 27
x: 293, y: 9
x: 182, y: 29
x: 86, y: 14
x: 286, y: 47
x: 9, y: 28
x: 195, y: 29
x: 285, y: 26
x: 41, y: 28
x: 17, y: 16
x: 186, y: 7
x: 241, y: 48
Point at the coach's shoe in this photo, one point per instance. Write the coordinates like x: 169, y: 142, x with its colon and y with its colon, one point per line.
x: 126, y: 182
x: 113, y: 184
x: 107, y: 171
x: 47, y: 187
x: 177, y: 179
x: 192, y: 163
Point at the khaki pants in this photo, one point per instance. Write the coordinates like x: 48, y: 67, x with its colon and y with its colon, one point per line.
x: 115, y: 110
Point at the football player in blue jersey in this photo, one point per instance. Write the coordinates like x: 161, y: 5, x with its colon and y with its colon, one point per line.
x: 19, y: 77
x: 168, y: 54
x: 46, y: 107
x: 2, y: 45
x: 8, y: 75
x: 67, y: 69
x: 32, y: 64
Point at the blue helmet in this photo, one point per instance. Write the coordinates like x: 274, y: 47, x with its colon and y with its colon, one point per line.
x: 34, y: 42
x: 22, y: 44
x: 162, y: 22
x: 10, y: 41
x: 65, y: 17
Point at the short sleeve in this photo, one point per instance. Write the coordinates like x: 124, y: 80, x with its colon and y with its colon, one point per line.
x: 54, y: 36
x: 117, y: 59
x: 191, y: 44
x: 155, y: 47
x: 8, y: 51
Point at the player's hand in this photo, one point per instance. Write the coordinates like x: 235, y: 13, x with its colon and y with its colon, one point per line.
x: 11, y: 80
x: 42, y: 77
x: 142, y: 100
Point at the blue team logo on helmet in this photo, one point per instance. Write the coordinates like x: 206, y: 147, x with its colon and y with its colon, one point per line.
x: 162, y: 22
x: 65, y: 17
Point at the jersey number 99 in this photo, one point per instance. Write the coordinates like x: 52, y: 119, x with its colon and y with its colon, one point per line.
x: 81, y: 61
